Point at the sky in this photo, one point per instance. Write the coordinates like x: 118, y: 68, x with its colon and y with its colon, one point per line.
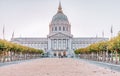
x: 31, y: 18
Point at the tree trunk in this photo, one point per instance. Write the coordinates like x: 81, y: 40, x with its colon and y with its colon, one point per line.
x: 116, y: 57
x: 112, y: 56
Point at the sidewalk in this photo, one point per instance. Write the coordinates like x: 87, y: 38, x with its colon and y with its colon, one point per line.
x: 103, y: 64
x: 15, y: 62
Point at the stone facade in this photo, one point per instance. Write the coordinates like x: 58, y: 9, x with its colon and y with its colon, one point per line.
x: 59, y: 41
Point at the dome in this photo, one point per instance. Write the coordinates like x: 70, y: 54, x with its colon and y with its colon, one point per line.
x: 60, y: 17
x: 59, y: 23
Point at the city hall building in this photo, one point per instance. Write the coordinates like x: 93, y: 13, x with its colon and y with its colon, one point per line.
x: 59, y: 41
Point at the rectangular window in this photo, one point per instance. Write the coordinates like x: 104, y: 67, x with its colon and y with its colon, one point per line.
x: 63, y: 28
x: 59, y: 28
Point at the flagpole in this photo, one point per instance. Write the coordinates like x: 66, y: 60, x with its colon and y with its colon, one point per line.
x: 12, y: 35
x: 111, y: 32
x: 3, y: 32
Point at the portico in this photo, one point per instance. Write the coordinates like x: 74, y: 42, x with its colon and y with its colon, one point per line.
x: 60, y: 44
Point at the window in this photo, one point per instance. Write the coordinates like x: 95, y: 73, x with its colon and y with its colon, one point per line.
x: 63, y: 28
x: 59, y: 28
x: 55, y: 28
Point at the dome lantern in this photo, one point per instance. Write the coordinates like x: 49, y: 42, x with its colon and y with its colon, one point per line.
x: 60, y: 8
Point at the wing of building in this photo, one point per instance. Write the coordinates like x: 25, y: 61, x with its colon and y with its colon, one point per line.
x: 59, y: 41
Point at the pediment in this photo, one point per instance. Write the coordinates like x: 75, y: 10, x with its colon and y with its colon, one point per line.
x: 59, y: 35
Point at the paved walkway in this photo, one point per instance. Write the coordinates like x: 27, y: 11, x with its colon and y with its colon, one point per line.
x: 55, y: 67
x: 103, y: 64
x: 15, y: 62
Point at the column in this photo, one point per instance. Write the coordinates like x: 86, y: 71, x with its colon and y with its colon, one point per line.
x: 49, y: 45
x: 56, y: 43
x: 70, y: 50
x: 66, y: 43
x: 70, y: 44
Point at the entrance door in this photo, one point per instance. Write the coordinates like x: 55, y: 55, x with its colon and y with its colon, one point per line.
x: 55, y: 54
x: 64, y: 53
x: 59, y: 54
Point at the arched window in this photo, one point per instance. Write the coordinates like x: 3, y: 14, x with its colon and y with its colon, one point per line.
x: 63, y: 28
x: 55, y: 28
x: 59, y: 28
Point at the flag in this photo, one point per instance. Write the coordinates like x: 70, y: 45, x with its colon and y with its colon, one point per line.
x: 4, y: 32
x: 111, y: 29
x: 12, y: 35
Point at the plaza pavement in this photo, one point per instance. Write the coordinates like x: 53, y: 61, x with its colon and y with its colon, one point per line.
x: 55, y: 67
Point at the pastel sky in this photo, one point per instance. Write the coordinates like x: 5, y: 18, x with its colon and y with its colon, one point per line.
x: 31, y: 18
